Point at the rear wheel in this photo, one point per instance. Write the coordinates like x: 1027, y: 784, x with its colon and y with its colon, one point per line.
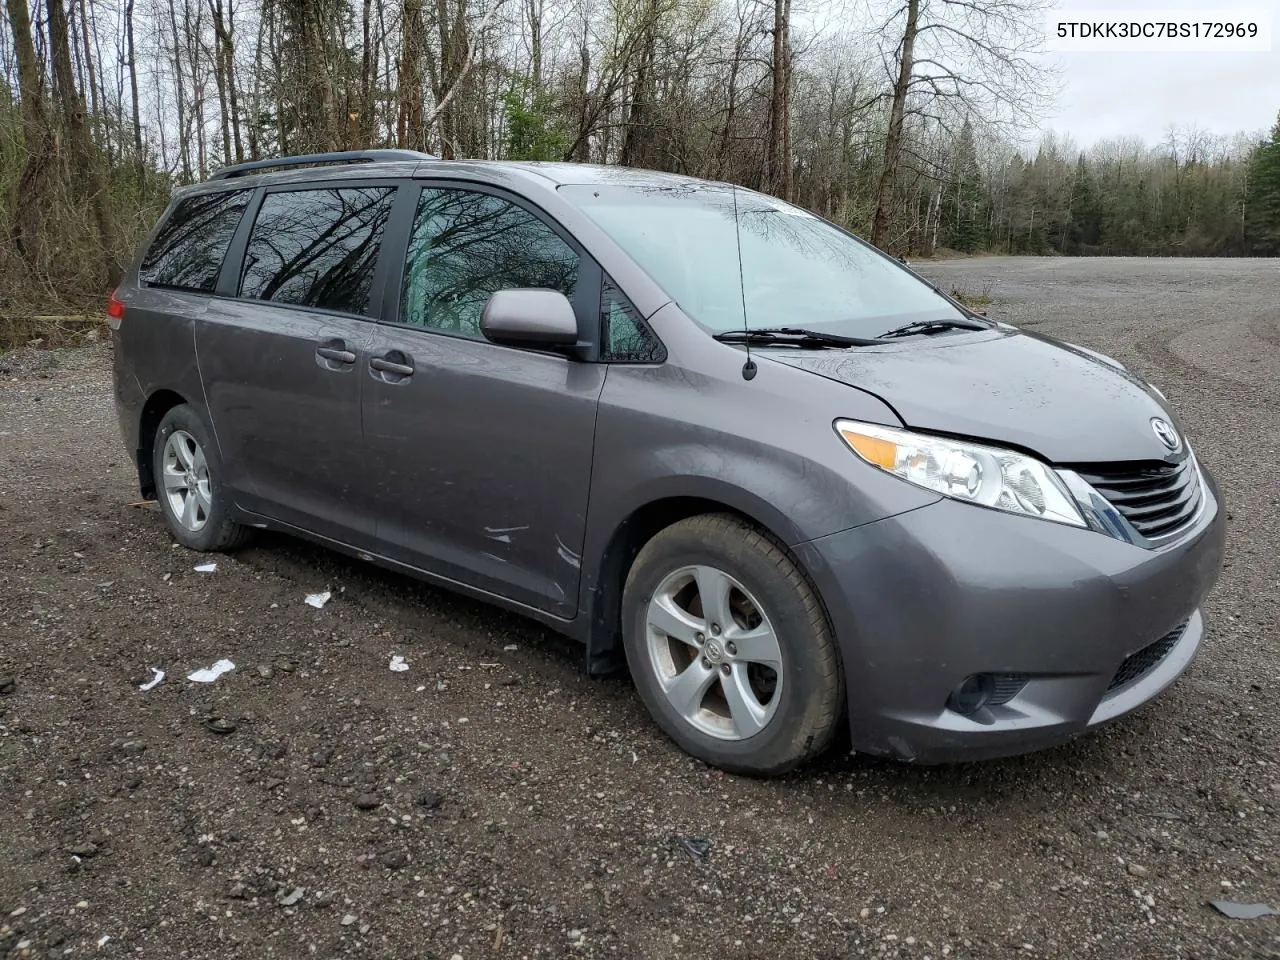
x: 730, y: 648
x: 188, y: 484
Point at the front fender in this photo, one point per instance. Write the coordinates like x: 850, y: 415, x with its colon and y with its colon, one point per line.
x: 765, y: 449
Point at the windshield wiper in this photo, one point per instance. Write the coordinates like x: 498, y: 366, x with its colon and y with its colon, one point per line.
x: 791, y: 336
x: 931, y: 326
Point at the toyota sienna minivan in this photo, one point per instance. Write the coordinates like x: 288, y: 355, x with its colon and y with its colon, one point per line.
x: 787, y: 481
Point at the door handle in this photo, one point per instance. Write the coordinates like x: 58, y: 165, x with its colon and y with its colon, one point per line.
x: 336, y: 351
x: 391, y: 363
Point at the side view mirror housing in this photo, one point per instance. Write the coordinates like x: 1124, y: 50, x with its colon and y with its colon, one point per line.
x: 529, y: 318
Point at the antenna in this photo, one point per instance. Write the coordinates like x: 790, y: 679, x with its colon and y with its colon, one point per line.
x: 748, y: 368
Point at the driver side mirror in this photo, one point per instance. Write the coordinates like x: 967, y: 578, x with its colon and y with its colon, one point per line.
x: 529, y: 317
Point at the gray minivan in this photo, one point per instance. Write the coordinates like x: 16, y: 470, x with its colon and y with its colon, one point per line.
x: 787, y: 481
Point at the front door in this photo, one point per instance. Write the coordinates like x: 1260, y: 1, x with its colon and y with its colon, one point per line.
x: 481, y: 454
x: 282, y: 362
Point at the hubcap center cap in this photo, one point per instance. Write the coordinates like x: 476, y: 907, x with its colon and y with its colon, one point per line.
x: 714, y: 651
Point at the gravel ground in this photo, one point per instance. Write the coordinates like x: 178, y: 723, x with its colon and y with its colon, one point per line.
x: 492, y: 801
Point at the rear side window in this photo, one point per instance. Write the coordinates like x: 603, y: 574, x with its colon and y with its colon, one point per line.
x: 317, y: 247
x: 188, y: 250
x: 466, y: 246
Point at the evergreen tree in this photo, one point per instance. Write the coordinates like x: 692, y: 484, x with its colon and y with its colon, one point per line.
x: 1262, y: 203
x: 533, y: 130
x: 965, y: 207
x: 1085, y: 233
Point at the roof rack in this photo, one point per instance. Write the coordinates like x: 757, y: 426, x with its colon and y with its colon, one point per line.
x: 342, y: 156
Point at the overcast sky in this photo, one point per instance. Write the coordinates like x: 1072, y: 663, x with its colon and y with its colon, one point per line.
x: 1141, y: 94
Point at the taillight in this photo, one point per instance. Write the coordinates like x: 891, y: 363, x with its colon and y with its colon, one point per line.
x: 115, y: 310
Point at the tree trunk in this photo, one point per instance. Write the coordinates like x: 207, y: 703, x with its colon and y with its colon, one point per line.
x: 581, y: 148
x: 389, y: 108
x: 138, y: 156
x: 220, y: 78
x: 368, y: 56
x: 255, y: 91
x: 636, y: 146
x: 101, y: 129
x: 91, y: 75
x: 778, y: 169
x: 449, y: 56
x: 409, y: 133
x: 29, y: 196
x: 225, y: 58
x: 533, y: 14
x: 86, y: 179
x: 191, y: 34
x: 893, y: 139
x: 179, y: 93
x: 283, y: 142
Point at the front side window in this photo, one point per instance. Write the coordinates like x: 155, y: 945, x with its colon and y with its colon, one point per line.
x: 465, y: 247
x: 317, y: 247
x: 795, y: 270
x: 188, y: 250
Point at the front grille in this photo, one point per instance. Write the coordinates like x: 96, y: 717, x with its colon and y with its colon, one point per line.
x: 1156, y: 498
x: 1138, y: 665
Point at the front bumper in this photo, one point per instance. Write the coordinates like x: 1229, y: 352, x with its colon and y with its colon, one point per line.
x: 925, y: 599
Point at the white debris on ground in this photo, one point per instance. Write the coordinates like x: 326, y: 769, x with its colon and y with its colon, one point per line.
x: 318, y: 600
x: 156, y: 676
x: 211, y: 674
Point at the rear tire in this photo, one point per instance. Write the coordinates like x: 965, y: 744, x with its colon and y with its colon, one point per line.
x: 748, y: 679
x: 188, y: 479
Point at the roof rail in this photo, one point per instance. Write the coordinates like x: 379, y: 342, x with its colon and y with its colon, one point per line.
x: 342, y: 156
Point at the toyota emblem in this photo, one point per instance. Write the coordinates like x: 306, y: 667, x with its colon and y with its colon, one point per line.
x: 1165, y: 432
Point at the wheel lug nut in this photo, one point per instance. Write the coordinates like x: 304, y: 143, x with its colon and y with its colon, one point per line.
x: 699, y: 639
x: 724, y: 668
x: 731, y: 649
x: 715, y: 629
x: 706, y: 664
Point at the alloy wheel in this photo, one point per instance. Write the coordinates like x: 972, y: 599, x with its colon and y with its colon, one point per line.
x: 185, y: 480
x: 715, y: 653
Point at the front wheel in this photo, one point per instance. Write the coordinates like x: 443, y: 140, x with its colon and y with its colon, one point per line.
x: 730, y: 648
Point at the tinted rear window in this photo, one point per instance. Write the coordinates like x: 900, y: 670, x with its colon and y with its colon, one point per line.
x: 317, y: 248
x: 188, y: 250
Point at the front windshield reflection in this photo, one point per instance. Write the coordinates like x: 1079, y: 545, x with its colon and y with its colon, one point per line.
x: 796, y: 269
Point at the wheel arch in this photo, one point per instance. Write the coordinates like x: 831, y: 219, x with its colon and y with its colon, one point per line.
x: 602, y: 588
x: 158, y: 404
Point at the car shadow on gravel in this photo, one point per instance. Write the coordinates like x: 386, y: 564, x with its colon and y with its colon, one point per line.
x: 414, y: 605
x: 418, y: 607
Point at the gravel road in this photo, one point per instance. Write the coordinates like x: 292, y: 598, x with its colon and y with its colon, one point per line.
x: 490, y: 801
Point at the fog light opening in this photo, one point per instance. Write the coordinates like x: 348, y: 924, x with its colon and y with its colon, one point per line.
x: 972, y: 695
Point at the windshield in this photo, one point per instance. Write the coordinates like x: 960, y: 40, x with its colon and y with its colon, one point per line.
x: 797, y: 270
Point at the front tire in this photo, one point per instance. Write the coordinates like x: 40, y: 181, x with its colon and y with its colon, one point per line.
x: 730, y: 648
x: 188, y: 479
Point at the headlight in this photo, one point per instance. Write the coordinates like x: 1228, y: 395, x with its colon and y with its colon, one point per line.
x: 988, y: 476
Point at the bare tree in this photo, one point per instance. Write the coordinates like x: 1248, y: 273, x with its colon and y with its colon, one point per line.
x: 139, y: 157
x: 31, y: 191
x: 86, y: 172
x: 915, y: 145
x: 228, y: 89
x: 780, y: 167
x: 956, y: 59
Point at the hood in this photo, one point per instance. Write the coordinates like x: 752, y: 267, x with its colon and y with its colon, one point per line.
x: 1010, y: 388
